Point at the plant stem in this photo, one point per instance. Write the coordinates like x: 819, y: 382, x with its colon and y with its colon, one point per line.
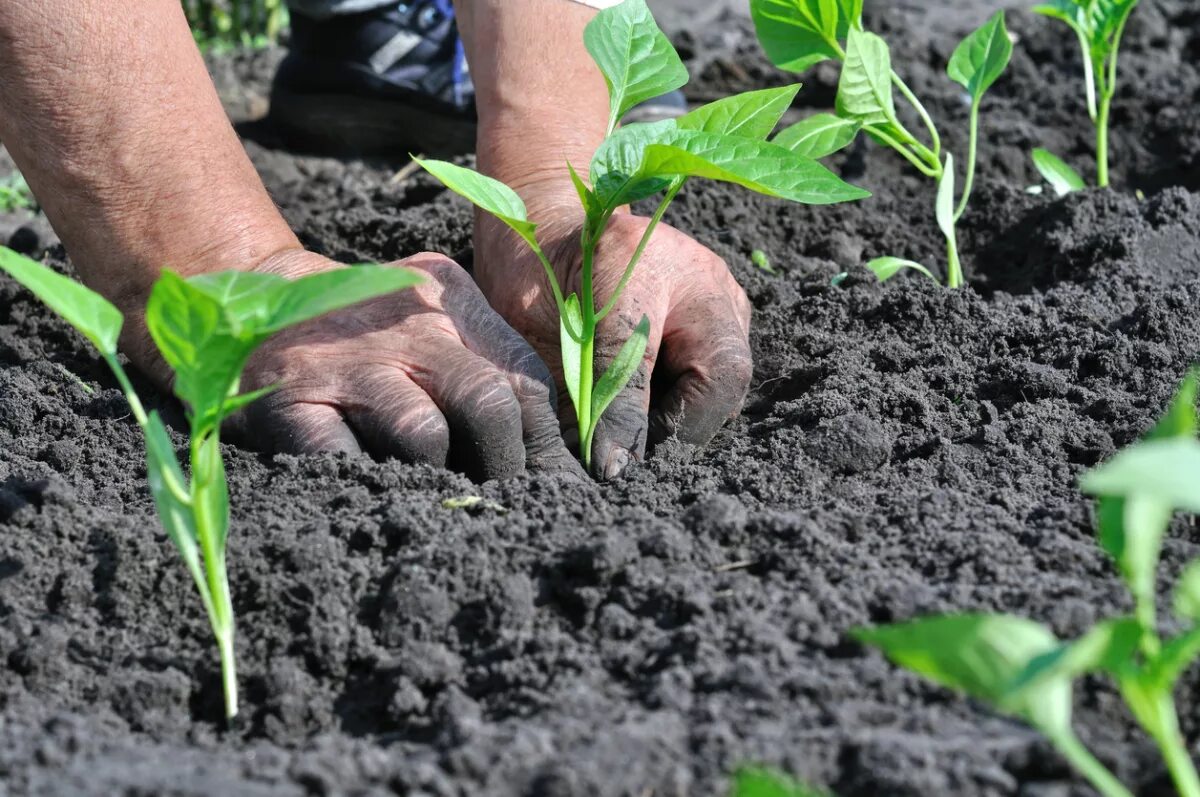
x: 969, y: 182
x: 954, y: 273
x: 587, y: 350
x: 1174, y: 750
x: 135, y: 404
x: 908, y: 155
x: 672, y: 192
x: 934, y: 138
x: 220, y: 612
x: 1082, y: 759
x: 1102, y: 142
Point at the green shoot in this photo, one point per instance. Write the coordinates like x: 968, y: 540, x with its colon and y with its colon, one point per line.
x: 724, y: 141
x: 798, y: 34
x: 1061, y: 177
x: 15, y: 194
x: 1099, y: 26
x: 225, y: 24
x: 762, y: 262
x: 757, y: 782
x: 1022, y: 669
x: 206, y: 328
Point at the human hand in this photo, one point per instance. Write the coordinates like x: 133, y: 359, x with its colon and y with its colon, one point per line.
x: 428, y: 375
x: 698, y: 352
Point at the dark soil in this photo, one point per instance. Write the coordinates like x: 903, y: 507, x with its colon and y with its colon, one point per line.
x: 905, y: 450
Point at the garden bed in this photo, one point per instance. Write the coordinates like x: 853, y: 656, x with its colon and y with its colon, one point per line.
x: 905, y: 450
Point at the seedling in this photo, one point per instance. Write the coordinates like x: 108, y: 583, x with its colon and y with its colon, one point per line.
x: 758, y: 782
x: 725, y: 141
x: 1099, y: 26
x: 798, y: 34
x: 1061, y: 177
x: 206, y: 328
x: 1022, y: 669
x: 762, y: 262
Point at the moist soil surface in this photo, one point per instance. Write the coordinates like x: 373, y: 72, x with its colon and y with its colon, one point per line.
x: 904, y: 450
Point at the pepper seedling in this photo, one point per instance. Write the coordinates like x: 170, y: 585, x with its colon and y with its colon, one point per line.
x: 1099, y: 26
x: 1021, y: 668
x: 761, y: 782
x: 206, y: 328
x: 725, y: 140
x: 798, y: 34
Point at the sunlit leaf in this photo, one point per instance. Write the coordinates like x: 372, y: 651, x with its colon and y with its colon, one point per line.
x: 819, y: 135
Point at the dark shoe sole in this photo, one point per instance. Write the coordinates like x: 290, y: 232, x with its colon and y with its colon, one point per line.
x: 337, y: 124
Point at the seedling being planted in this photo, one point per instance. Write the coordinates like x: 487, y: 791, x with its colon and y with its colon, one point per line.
x: 725, y: 141
x: 1099, y: 26
x: 798, y: 34
x: 1021, y: 668
x: 206, y: 328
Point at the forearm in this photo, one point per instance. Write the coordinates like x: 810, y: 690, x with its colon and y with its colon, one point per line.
x: 541, y: 100
x: 109, y: 112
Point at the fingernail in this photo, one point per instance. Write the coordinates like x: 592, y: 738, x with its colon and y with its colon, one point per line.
x: 617, y: 463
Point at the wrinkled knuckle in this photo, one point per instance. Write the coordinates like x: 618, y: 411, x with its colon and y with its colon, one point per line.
x: 438, y: 267
x: 491, y: 399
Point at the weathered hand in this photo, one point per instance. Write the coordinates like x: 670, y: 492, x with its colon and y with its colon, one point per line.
x: 699, y: 350
x: 430, y: 375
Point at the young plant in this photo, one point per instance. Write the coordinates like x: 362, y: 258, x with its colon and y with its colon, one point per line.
x: 798, y: 34
x: 1022, y: 669
x: 1098, y: 25
x: 725, y: 141
x: 206, y: 328
x: 758, y: 782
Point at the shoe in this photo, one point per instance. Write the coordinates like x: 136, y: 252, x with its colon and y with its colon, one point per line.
x: 385, y: 81
x: 389, y: 81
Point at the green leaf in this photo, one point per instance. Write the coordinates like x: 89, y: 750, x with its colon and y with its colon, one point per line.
x: 1174, y: 658
x: 1108, y: 647
x: 761, y: 261
x: 1165, y: 470
x: 1068, y: 11
x: 87, y: 311
x: 588, y: 200
x: 635, y: 57
x: 189, y: 327
x: 887, y: 267
x: 1062, y: 178
x: 1180, y: 419
x: 819, y: 135
x: 490, y: 195
x: 616, y: 168
x: 981, y: 655
x: 570, y: 328
x: 621, y: 370
x: 306, y: 298
x: 757, y: 165
x: 752, y: 114
x: 945, y: 199
x: 1131, y: 531
x: 169, y: 489
x: 1187, y: 592
x: 797, y: 34
x: 758, y: 782
x: 865, y: 89
x: 982, y: 57
x: 210, y: 490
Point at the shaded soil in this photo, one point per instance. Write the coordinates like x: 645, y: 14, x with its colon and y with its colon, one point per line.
x: 905, y: 450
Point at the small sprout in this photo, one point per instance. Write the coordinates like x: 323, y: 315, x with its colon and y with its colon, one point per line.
x: 473, y: 503
x: 725, y: 140
x: 205, y: 328
x: 1098, y: 25
x: 760, y: 782
x: 1022, y: 669
x: 887, y: 267
x: 759, y: 258
x: 837, y: 279
x: 797, y: 34
x: 1061, y: 177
